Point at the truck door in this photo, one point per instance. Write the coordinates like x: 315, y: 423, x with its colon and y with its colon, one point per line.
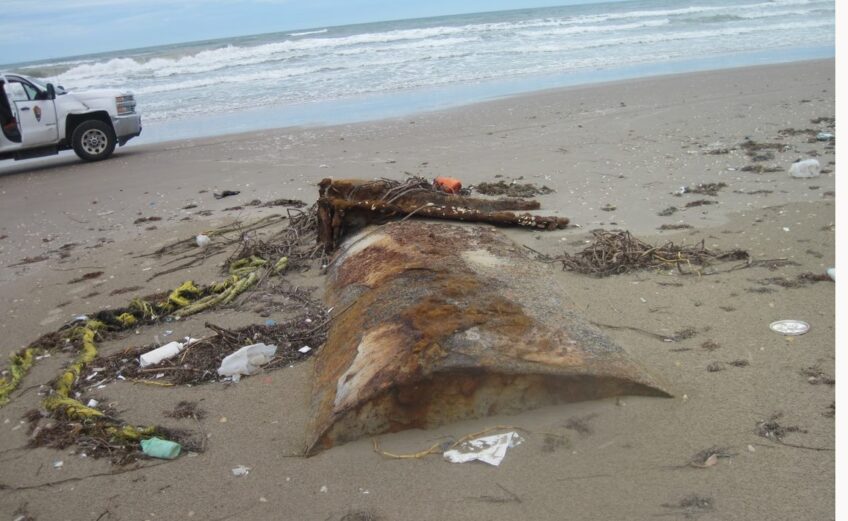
x: 36, y: 115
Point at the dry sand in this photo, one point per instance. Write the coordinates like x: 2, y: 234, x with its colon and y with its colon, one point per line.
x: 627, y: 145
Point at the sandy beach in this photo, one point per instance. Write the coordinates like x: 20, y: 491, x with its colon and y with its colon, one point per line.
x: 617, y: 156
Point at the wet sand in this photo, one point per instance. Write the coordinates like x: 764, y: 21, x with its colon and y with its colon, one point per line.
x: 616, y: 156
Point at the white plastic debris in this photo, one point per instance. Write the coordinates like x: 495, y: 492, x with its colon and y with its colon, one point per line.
x: 831, y: 272
x: 247, y: 360
x: 824, y: 136
x: 240, y: 471
x: 92, y: 403
x: 165, y: 352
x: 202, y: 240
x: 488, y: 449
x: 305, y: 349
x: 58, y: 464
x: 805, y: 169
x: 790, y: 327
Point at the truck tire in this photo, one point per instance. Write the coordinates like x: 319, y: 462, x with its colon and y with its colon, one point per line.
x: 93, y: 140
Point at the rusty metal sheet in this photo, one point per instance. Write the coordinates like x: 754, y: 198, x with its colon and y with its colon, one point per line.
x: 345, y: 205
x: 438, y: 322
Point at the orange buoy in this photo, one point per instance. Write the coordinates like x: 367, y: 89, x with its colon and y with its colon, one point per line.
x: 448, y: 184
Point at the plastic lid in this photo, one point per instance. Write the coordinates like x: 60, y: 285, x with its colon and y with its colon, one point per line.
x: 790, y: 327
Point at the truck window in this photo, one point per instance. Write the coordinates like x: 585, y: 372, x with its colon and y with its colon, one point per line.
x: 18, y: 91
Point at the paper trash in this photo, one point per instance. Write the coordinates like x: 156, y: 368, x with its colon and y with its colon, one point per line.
x: 488, y: 449
x: 246, y: 360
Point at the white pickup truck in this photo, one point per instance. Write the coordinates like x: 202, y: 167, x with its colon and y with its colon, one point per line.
x: 39, y: 119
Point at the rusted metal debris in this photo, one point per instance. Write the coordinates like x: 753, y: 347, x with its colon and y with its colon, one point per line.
x: 345, y: 205
x: 438, y: 322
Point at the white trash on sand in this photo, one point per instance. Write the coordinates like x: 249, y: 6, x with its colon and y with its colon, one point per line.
x: 805, y: 169
x: 488, y: 449
x: 159, y: 354
x: 247, y: 360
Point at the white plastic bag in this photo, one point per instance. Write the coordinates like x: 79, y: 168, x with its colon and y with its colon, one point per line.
x: 488, y: 449
x: 247, y: 360
x: 806, y: 168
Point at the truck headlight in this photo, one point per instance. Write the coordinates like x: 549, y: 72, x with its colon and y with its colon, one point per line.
x: 126, y: 104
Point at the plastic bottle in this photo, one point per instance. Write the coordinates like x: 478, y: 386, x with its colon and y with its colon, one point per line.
x: 165, y: 352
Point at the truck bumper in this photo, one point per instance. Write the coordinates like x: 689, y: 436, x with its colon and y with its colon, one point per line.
x: 127, y: 127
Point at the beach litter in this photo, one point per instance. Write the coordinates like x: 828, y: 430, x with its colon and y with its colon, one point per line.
x: 165, y: 352
x: 225, y: 193
x: 448, y: 185
x: 824, y: 136
x: 831, y: 272
x: 805, y: 169
x: 247, y: 361
x: 240, y: 471
x: 790, y: 327
x: 442, y: 322
x: 160, y: 449
x: 615, y: 252
x: 346, y: 205
x: 488, y: 449
x: 202, y: 240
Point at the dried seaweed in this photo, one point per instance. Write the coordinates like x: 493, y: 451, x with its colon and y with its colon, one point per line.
x: 704, y: 189
x: 512, y: 189
x: 614, y: 252
x: 199, y: 362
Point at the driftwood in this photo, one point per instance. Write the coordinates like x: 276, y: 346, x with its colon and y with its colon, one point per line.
x: 346, y: 205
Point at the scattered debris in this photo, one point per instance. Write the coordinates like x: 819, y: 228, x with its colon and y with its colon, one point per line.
x: 709, y: 457
x: 247, y: 361
x: 805, y: 169
x: 816, y: 376
x: 241, y: 471
x: 488, y: 449
x: 160, y: 449
x: 87, y: 276
x: 448, y: 185
x: 715, y: 367
x: 186, y: 409
x: 760, y: 169
x: 512, y: 189
x: 360, y: 515
x: 692, y: 506
x: 675, y: 227
x: 346, y: 205
x: 614, y: 252
x: 142, y: 220
x: 790, y: 327
x: 30, y: 260
x: 700, y: 202
x: 772, y: 430
x: 703, y: 189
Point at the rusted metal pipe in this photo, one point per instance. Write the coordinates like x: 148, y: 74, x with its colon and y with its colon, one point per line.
x: 438, y: 322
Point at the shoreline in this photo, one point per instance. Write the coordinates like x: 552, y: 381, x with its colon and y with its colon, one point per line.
x: 393, y: 105
x: 616, y: 157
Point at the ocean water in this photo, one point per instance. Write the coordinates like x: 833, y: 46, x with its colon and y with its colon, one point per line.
x: 349, y: 73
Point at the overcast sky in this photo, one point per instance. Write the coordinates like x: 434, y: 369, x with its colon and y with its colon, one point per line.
x: 35, y: 30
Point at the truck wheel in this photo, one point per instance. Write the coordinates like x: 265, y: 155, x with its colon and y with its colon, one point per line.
x: 93, y: 140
